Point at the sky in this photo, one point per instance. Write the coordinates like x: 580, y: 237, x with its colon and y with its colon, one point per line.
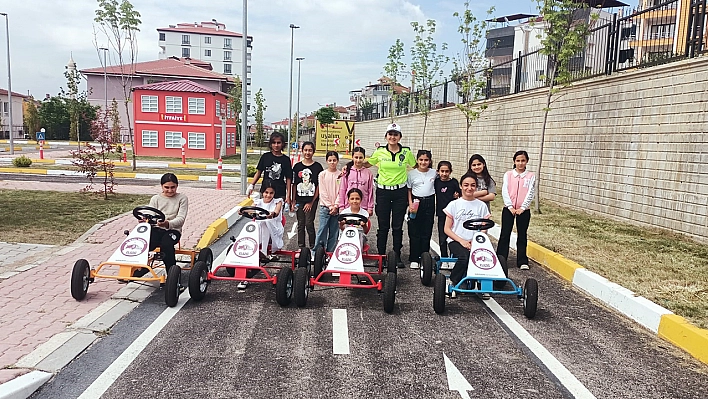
x: 344, y: 42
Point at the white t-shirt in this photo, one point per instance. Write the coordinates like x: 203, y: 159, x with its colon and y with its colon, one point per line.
x: 361, y: 212
x: 422, y: 184
x: 462, y: 210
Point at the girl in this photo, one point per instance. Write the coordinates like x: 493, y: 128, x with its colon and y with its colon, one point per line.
x: 329, y: 191
x: 457, y: 212
x: 166, y: 234
x: 355, y: 199
x: 421, y: 202
x: 517, y: 191
x: 305, y: 194
x: 446, y: 190
x: 275, y: 167
x: 486, y: 187
x: 356, y: 176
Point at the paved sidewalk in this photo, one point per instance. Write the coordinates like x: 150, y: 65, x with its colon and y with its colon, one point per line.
x: 36, y: 303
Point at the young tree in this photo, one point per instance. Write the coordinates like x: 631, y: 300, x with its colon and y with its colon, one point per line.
x: 428, y: 66
x: 366, y: 107
x: 119, y: 22
x: 91, y: 160
x: 260, y: 108
x: 114, y: 117
x: 31, y: 117
x: 393, y: 70
x: 72, y: 97
x: 567, y: 27
x: 326, y: 115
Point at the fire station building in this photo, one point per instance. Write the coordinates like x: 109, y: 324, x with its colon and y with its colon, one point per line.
x: 169, y: 115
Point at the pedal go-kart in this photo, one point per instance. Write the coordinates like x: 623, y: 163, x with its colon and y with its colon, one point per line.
x: 487, y: 273
x: 134, y: 254
x: 243, y: 262
x: 347, y: 260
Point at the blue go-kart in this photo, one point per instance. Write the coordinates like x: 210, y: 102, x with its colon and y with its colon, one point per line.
x: 487, y: 273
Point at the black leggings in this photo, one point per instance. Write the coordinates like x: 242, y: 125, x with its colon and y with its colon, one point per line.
x: 522, y: 226
x: 420, y: 228
x: 390, y: 211
x: 166, y: 240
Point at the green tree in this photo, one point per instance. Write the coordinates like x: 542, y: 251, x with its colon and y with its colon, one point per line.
x: 54, y: 117
x: 393, y: 70
x: 260, y: 109
x: 31, y: 117
x: 119, y: 22
x: 366, y: 107
x: 114, y: 117
x: 326, y: 115
x: 91, y: 160
x: 428, y: 66
x: 72, y: 97
x: 234, y: 100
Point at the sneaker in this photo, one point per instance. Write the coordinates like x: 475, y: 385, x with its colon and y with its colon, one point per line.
x: 524, y: 267
x: 140, y: 272
x: 485, y: 296
x: 242, y: 285
x: 399, y: 262
x: 272, y: 258
x: 414, y: 265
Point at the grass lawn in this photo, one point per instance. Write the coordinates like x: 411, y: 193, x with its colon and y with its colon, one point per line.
x: 59, y: 218
x: 252, y: 159
x: 668, y: 269
x: 129, y: 169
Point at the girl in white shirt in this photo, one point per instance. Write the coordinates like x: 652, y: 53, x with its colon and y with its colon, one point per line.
x: 354, y: 197
x: 421, y: 195
x: 271, y: 228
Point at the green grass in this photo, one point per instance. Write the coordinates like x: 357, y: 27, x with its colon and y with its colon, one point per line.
x: 668, y: 269
x: 129, y: 169
x: 59, y: 218
x: 252, y: 159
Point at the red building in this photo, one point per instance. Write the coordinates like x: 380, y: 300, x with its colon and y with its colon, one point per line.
x: 170, y: 114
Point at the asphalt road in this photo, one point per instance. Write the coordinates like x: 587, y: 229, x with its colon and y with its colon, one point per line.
x: 242, y: 344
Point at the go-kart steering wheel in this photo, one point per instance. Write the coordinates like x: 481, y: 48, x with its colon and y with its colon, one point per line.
x: 254, y: 212
x: 353, y: 219
x: 478, y: 224
x: 156, y: 215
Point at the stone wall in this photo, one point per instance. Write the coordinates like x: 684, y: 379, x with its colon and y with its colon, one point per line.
x: 631, y: 146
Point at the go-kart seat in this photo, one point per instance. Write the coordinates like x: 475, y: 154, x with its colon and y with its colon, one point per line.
x: 366, y: 248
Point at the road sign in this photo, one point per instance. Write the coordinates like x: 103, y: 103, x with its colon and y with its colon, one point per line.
x: 40, y: 136
x: 182, y: 141
x: 357, y: 142
x: 294, y: 145
x: 336, y: 141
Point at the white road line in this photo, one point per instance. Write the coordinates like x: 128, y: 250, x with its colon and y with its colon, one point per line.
x: 455, y: 380
x: 565, y: 377
x: 340, y: 332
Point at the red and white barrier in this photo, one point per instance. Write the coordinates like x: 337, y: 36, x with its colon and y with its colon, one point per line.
x: 125, y: 154
x: 184, y: 159
x: 41, y: 149
x: 218, y: 174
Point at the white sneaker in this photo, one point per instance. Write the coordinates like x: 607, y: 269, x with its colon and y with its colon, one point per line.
x: 447, y: 265
x: 414, y: 265
x: 524, y: 267
x: 485, y: 296
x: 242, y: 285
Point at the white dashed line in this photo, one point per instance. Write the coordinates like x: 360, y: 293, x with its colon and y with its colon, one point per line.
x: 340, y: 332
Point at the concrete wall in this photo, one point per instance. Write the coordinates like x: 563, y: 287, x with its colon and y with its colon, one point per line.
x: 632, y: 146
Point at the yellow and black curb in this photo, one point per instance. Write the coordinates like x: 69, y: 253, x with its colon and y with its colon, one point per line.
x: 220, y: 226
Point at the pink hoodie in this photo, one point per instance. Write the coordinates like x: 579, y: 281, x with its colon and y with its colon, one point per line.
x: 362, y: 179
x: 518, y: 189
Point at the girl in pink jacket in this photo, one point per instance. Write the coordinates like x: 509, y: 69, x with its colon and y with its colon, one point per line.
x: 357, y: 176
x: 518, y: 192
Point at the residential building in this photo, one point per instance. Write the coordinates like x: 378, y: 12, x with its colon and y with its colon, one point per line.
x: 17, y: 115
x: 377, y: 93
x: 180, y: 114
x: 659, y: 32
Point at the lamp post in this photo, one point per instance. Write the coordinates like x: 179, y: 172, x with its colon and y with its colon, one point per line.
x: 298, y: 59
x: 105, y: 80
x: 9, y: 83
x: 290, y: 97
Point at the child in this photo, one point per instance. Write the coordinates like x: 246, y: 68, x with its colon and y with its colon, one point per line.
x: 357, y: 176
x: 275, y: 167
x: 486, y: 187
x: 446, y: 190
x: 459, y: 238
x: 421, y: 202
x: 329, y: 192
x: 517, y: 191
x: 354, y: 196
x: 305, y: 194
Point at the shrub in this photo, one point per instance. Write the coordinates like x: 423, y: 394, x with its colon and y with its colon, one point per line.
x: 251, y: 170
x: 22, y: 162
x: 119, y: 149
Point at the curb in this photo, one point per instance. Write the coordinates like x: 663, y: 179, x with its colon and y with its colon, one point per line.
x: 222, y: 225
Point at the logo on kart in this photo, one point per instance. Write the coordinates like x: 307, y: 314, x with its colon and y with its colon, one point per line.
x: 251, y: 228
x: 133, y: 246
x: 483, y: 258
x: 142, y: 229
x: 347, y: 253
x: 245, y: 247
x: 350, y: 233
x: 480, y: 239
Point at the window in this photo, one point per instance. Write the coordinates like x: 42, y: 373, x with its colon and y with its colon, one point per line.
x: 185, y: 39
x: 173, y: 105
x: 227, y: 69
x: 218, y: 108
x: 228, y: 110
x: 185, y: 52
x: 207, y: 39
x: 227, y: 43
x: 6, y: 108
x: 629, y: 32
x: 148, y: 103
x: 196, y: 106
x: 196, y: 141
x: 149, y: 138
x: 173, y: 139
x: 233, y: 139
x: 162, y: 37
x: 227, y: 56
x: 207, y: 53
x: 218, y: 141
x: 662, y: 31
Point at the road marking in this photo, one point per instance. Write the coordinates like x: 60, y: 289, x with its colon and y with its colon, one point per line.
x: 564, y: 377
x: 340, y: 332
x: 293, y: 231
x: 455, y: 380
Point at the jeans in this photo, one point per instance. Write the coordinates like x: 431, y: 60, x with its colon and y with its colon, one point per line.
x: 390, y: 211
x: 328, y: 230
x: 463, y: 258
x: 442, y: 237
x: 522, y: 226
x: 420, y: 229
x: 306, y: 221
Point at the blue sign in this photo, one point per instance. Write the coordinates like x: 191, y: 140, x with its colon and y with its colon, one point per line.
x: 40, y: 136
x: 294, y: 146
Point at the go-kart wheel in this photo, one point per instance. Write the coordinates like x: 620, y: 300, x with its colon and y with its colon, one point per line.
x: 198, y: 280
x: 206, y: 256
x: 426, y: 268
x: 154, y: 215
x: 304, y: 260
x: 530, y: 298
x: 439, y: 293
x: 478, y: 224
x: 80, y: 277
x: 391, y: 264
x: 254, y: 212
x: 284, y: 286
x: 230, y: 271
x: 300, y: 287
x: 499, y: 285
x: 172, y: 286
x: 319, y: 265
x: 389, y: 293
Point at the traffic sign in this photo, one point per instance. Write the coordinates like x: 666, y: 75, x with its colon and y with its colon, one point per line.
x: 294, y: 145
x: 40, y: 136
x: 377, y: 144
x: 336, y: 141
x: 357, y: 142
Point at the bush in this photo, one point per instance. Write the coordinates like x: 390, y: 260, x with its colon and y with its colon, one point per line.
x: 22, y: 162
x: 119, y: 149
x: 251, y: 170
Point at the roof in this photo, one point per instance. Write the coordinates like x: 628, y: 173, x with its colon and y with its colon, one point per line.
x: 185, y: 86
x: 512, y: 17
x: 3, y: 92
x: 340, y: 109
x: 173, y: 66
x: 202, y: 31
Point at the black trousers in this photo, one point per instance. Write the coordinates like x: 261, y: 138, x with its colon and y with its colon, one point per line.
x: 420, y: 229
x: 390, y: 211
x: 306, y: 221
x: 463, y: 259
x: 166, y: 240
x: 442, y: 237
x: 522, y: 226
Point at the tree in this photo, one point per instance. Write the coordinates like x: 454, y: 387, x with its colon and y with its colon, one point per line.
x: 567, y: 30
x: 393, y: 69
x: 325, y: 116
x: 260, y: 108
x: 469, y: 71
x: 234, y: 100
x: 119, y: 22
x: 72, y: 97
x: 428, y: 66
x: 54, y: 117
x: 91, y: 160
x: 114, y: 117
x: 31, y: 117
x: 366, y: 107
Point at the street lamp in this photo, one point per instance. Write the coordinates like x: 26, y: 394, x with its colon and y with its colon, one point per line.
x: 105, y: 80
x: 9, y: 82
x: 298, y: 59
x: 290, y: 97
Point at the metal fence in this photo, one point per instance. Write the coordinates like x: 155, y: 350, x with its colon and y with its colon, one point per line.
x: 659, y: 32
